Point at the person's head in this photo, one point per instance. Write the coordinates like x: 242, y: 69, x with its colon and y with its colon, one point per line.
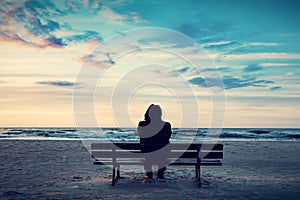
x: 147, y: 115
x: 153, y: 112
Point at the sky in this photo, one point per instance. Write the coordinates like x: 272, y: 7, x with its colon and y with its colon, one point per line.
x: 253, y: 47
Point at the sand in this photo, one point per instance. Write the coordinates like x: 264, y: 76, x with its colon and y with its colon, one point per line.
x: 33, y: 169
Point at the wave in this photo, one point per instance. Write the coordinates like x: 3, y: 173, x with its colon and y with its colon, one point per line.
x: 297, y: 136
x: 259, y: 131
x: 130, y: 133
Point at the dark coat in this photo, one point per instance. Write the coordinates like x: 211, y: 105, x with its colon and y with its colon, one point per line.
x: 151, y: 140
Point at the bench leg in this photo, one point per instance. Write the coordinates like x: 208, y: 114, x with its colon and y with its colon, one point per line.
x: 198, y: 177
x: 113, y: 181
x: 118, y: 172
x: 115, y: 176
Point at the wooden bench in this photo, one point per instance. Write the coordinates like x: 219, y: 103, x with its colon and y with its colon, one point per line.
x: 117, y: 154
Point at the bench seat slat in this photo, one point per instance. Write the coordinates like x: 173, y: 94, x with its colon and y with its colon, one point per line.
x: 217, y: 163
x: 137, y: 146
x: 126, y: 154
x: 119, y: 163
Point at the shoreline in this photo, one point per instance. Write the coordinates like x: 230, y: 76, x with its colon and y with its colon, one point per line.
x: 220, y: 140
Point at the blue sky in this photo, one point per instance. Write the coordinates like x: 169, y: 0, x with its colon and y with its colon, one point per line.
x: 254, y: 44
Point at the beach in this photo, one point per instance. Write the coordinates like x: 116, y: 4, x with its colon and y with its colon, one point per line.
x: 63, y: 169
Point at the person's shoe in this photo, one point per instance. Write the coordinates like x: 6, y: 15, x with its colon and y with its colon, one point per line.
x: 161, y: 176
x: 149, y: 175
x: 160, y: 173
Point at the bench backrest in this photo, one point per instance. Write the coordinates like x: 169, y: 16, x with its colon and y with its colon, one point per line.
x: 172, y: 150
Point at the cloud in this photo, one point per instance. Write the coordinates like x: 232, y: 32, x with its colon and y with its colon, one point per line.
x: 91, y: 5
x: 275, y: 88
x: 266, y: 44
x: 233, y: 47
x: 208, y: 82
x: 252, y: 68
x: 261, y: 56
x: 229, y: 82
x: 278, y: 64
x: 182, y: 70
x: 36, y: 23
x: 85, y: 36
x: 221, y: 45
x: 289, y: 74
x: 58, y: 83
x: 214, y: 69
x: 112, y: 17
x: 98, y: 59
x: 29, y: 23
x: 202, y: 25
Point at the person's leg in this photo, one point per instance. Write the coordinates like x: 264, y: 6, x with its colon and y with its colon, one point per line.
x: 148, y: 168
x: 160, y: 172
x: 162, y: 163
x: 149, y: 175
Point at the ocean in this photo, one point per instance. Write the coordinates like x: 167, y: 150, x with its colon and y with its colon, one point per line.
x: 129, y: 134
